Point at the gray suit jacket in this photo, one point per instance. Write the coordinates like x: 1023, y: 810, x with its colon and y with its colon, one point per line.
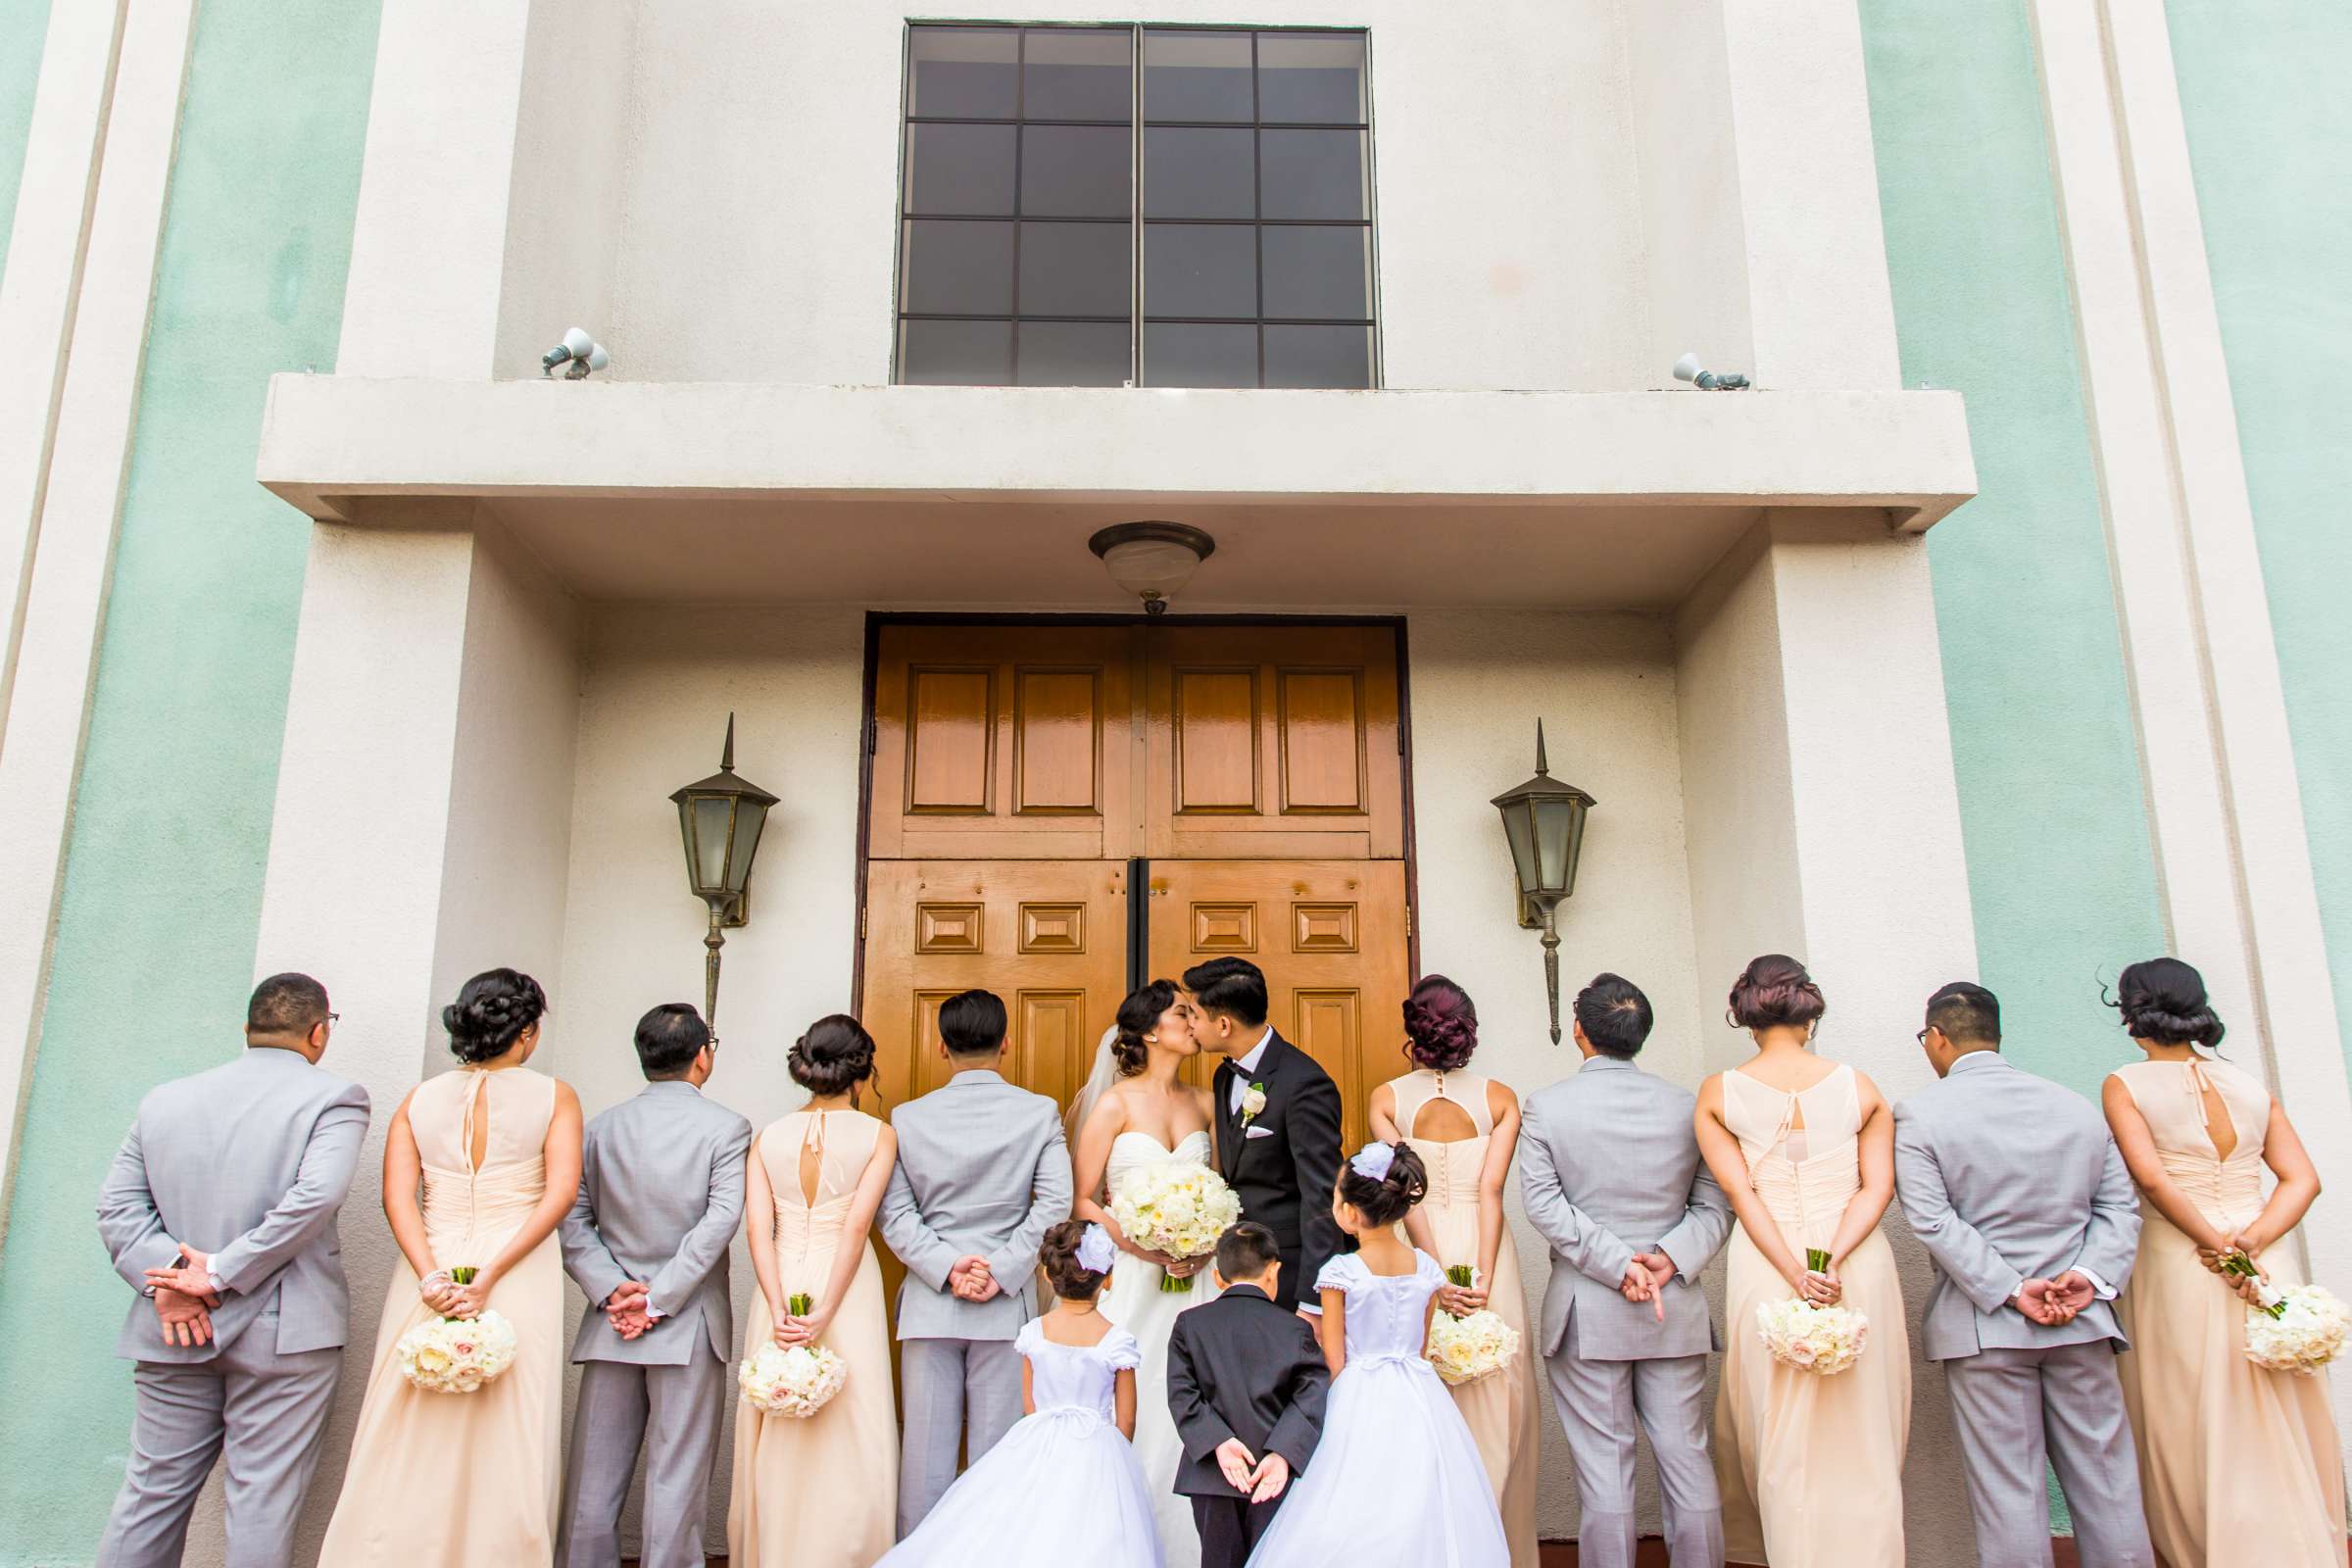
x: 2007, y: 1177
x: 249, y: 1163
x: 1609, y: 1166
x: 660, y: 1197
x: 982, y: 1172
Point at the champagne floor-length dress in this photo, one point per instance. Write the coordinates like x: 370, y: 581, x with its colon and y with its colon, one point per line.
x: 2236, y: 1464
x: 1811, y: 1467
x: 1501, y: 1408
x: 466, y: 1477
x: 820, y: 1492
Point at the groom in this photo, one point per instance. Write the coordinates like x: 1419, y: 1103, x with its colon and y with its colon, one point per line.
x: 1278, y: 1124
x: 2024, y: 1203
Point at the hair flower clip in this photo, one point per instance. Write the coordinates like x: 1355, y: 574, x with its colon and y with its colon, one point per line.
x: 1095, y: 1250
x: 1373, y: 1160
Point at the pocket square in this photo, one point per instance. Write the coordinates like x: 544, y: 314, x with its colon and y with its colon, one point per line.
x: 1257, y: 1131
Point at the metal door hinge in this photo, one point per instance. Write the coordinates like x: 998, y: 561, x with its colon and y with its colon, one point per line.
x: 862, y: 925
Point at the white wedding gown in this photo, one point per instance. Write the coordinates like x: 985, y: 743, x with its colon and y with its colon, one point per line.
x: 1136, y: 1302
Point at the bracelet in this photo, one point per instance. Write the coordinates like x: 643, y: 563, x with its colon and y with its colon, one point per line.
x: 434, y: 1283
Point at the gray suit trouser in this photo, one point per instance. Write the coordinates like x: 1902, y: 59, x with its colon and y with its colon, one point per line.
x: 2021, y: 1412
x: 268, y: 1410
x: 673, y: 1413
x: 1599, y: 1402
x: 944, y: 1382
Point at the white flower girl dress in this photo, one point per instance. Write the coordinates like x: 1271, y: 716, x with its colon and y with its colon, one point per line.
x: 1068, y: 1467
x: 1396, y: 1481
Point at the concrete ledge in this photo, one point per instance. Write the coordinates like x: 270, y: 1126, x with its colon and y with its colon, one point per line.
x: 327, y: 440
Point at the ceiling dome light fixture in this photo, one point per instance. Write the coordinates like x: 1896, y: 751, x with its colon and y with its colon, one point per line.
x: 1153, y: 559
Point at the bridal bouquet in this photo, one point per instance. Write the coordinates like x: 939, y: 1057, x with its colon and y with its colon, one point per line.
x: 2298, y: 1330
x: 1177, y: 1209
x: 792, y: 1380
x: 1466, y: 1348
x: 1823, y: 1340
x: 457, y: 1354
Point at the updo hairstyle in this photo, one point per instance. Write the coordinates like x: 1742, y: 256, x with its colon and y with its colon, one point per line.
x: 2164, y: 999
x: 1441, y: 1025
x: 1057, y: 1256
x: 833, y: 1057
x: 1385, y: 1201
x: 1138, y: 1016
x: 491, y: 1012
x: 1774, y: 991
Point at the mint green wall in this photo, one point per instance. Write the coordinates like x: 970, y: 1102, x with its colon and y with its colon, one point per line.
x: 2060, y: 865
x: 2261, y: 90
x: 155, y: 944
x: 23, y: 26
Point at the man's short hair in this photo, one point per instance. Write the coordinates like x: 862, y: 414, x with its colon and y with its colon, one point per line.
x: 1244, y: 1251
x: 972, y: 1024
x: 285, y: 1004
x: 668, y: 1039
x: 1233, y: 985
x: 1615, y: 1016
x: 1967, y: 1013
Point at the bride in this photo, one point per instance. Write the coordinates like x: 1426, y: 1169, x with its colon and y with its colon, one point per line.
x: 1134, y: 1113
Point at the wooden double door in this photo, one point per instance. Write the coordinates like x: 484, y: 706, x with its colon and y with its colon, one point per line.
x: 1060, y: 812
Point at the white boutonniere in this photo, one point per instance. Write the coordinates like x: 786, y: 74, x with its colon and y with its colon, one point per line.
x: 1254, y: 1102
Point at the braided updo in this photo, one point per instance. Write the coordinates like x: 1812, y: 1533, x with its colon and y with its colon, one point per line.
x: 833, y: 1057
x: 1775, y: 992
x: 2164, y: 999
x: 1138, y: 1016
x: 1441, y: 1025
x: 491, y: 1012
x: 1385, y: 1201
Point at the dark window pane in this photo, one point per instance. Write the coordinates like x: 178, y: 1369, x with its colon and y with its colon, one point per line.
x: 1312, y: 173
x: 1075, y: 269
x: 1190, y: 172
x: 1078, y: 74
x: 956, y: 353
x: 960, y: 169
x: 1322, y: 274
x: 1311, y: 76
x: 1199, y: 270
x: 1196, y: 76
x: 963, y: 70
x: 1318, y: 355
x: 1075, y: 171
x: 956, y: 269
x: 1073, y: 354
x: 1200, y: 355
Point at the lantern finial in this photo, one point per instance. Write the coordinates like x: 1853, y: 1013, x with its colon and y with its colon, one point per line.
x: 727, y: 755
x: 1541, y: 767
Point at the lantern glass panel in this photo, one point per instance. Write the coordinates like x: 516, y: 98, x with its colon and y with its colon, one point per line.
x: 1518, y: 826
x: 1556, y: 833
x: 750, y: 817
x: 712, y: 828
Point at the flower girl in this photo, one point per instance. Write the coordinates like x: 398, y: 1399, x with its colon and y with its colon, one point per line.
x: 1361, y: 1503
x: 1068, y: 1460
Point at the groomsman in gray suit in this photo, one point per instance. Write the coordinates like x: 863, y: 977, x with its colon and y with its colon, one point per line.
x: 1611, y: 1174
x: 2024, y: 1203
x: 660, y: 1197
x: 220, y: 1210
x: 982, y: 1175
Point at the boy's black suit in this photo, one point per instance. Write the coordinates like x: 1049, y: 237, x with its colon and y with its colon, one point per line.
x: 1240, y: 1366
x: 1285, y: 1161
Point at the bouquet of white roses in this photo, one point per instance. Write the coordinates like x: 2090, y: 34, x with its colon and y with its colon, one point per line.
x: 1177, y: 1209
x: 1468, y: 1348
x: 2298, y: 1330
x: 792, y: 1380
x: 1813, y: 1339
x: 457, y: 1354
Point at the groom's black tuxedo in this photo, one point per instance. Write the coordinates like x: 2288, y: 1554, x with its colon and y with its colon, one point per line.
x: 1284, y: 1161
x: 1241, y: 1367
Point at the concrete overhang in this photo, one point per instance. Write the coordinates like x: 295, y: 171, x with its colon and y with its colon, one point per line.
x: 758, y: 491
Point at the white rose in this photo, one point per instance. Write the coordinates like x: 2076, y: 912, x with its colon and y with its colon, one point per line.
x: 1253, y: 1100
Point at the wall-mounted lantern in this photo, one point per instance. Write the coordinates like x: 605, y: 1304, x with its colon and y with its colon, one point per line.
x: 1545, y: 822
x: 721, y: 818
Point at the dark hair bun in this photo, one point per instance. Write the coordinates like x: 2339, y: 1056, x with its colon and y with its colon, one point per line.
x: 491, y: 1012
x: 1138, y: 1016
x: 833, y: 1057
x: 1057, y: 1256
x: 1441, y: 1025
x: 2164, y: 999
x: 1386, y: 1201
x: 1774, y: 991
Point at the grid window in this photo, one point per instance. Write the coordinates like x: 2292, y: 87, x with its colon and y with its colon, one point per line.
x: 1085, y: 205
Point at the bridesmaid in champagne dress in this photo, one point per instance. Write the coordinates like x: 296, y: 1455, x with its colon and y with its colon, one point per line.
x: 1811, y: 1467
x: 1466, y: 1131
x: 2236, y: 1464
x: 479, y: 1166
x: 823, y: 1491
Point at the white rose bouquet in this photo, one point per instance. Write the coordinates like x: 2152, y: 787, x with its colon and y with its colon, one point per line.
x: 1176, y: 1208
x: 457, y: 1354
x: 1823, y: 1340
x: 2298, y: 1330
x: 1464, y: 1350
x: 792, y: 1380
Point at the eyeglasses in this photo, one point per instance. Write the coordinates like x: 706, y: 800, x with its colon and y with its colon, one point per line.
x: 1922, y: 1036
x: 334, y: 1017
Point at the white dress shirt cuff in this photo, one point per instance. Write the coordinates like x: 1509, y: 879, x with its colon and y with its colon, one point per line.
x: 2098, y: 1287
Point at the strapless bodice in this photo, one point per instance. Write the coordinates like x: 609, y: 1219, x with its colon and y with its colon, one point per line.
x: 1131, y: 1150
